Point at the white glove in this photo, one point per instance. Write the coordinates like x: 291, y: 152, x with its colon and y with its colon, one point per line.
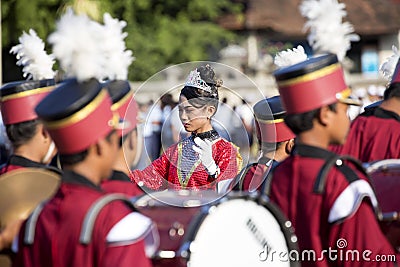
x: 204, y: 148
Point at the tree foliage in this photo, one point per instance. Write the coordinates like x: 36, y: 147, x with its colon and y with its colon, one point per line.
x: 160, y: 32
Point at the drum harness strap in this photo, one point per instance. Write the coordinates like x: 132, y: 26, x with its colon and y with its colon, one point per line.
x: 31, y: 224
x: 338, y: 161
x: 319, y: 185
x: 88, y: 222
x: 239, y: 179
x: 91, y: 215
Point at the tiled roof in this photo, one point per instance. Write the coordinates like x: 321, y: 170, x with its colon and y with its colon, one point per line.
x: 369, y: 17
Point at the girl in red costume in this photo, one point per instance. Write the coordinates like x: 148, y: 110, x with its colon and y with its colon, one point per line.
x: 204, y: 159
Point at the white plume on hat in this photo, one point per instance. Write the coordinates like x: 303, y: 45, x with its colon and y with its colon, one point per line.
x: 77, y: 46
x: 327, y: 31
x: 290, y: 57
x: 30, y: 53
x: 387, y: 68
x: 117, y: 57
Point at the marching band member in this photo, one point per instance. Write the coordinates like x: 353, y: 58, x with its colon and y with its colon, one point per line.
x: 374, y: 134
x: 327, y: 197
x: 82, y: 225
x: 32, y: 145
x: 204, y: 159
x: 116, y: 71
x: 79, y: 118
x: 124, y: 103
x: 275, y: 140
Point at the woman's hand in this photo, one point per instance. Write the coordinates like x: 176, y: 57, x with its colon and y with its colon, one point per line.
x: 204, y: 148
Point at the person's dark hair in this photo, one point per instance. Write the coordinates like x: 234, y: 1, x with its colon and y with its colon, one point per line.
x: 72, y: 159
x: 270, y: 147
x: 167, y: 100
x: 200, y: 98
x: 299, y: 123
x: 21, y: 133
x: 125, y: 137
x: 392, y: 91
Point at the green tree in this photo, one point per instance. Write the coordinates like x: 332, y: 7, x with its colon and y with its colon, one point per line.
x: 160, y: 32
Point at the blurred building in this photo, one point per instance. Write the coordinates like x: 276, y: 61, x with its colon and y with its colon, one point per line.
x: 269, y: 26
x: 274, y: 24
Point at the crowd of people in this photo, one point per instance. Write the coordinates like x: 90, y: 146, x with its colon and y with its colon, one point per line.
x: 86, y: 130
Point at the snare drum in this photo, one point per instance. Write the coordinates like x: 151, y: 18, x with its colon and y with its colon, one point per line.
x: 233, y: 230
x: 172, y: 211
x: 385, y: 178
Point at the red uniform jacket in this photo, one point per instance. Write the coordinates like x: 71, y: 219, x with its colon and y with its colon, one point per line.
x: 374, y: 135
x: 252, y: 177
x: 56, y: 241
x: 179, y: 167
x: 121, y: 183
x: 339, y: 218
x: 17, y: 162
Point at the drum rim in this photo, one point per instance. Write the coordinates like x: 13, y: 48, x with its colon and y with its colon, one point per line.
x: 155, y: 197
x: 378, y: 165
x: 374, y: 167
x: 288, y: 231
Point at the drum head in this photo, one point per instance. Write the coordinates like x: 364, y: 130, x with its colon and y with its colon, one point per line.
x: 22, y: 190
x: 241, y: 232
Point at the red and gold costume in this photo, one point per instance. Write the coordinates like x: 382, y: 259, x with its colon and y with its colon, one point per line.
x: 57, y: 233
x: 179, y: 167
x: 18, y: 101
x: 374, y: 135
x: 271, y: 129
x: 78, y: 115
x: 126, y: 106
x: 342, y: 211
x: 252, y: 177
x: 328, y: 198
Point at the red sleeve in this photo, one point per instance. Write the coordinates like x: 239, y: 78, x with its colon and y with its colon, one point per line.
x: 126, y: 255
x: 361, y: 231
x: 228, y: 160
x: 155, y: 175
